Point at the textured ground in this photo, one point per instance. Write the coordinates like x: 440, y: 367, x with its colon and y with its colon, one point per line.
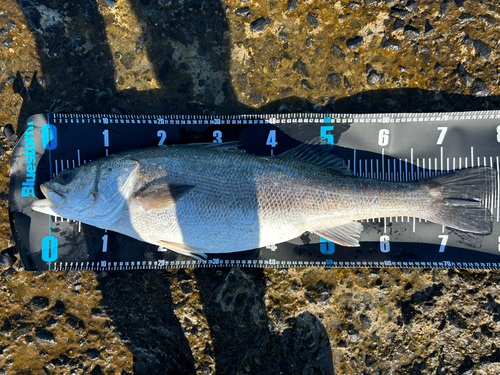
x: 162, y: 56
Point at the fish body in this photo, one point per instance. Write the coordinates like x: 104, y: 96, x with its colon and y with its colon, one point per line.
x: 200, y: 199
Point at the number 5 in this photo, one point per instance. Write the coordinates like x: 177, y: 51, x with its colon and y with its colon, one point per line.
x: 324, y: 134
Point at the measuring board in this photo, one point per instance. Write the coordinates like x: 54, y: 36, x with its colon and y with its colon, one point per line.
x: 397, y: 147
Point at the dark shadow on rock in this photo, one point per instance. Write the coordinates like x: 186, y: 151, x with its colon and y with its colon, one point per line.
x: 243, y: 342
x: 81, y: 78
x: 141, y: 306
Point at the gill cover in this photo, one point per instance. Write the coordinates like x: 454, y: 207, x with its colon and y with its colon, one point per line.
x: 115, y: 182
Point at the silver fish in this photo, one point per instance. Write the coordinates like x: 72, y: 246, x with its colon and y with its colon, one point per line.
x: 213, y: 198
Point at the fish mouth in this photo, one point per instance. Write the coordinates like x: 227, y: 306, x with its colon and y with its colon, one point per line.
x: 53, y: 199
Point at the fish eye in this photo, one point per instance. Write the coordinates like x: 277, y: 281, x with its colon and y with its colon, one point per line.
x: 66, y: 177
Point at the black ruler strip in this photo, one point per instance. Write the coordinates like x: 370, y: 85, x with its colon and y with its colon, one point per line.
x: 397, y: 147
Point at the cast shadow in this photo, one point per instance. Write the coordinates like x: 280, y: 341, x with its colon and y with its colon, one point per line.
x: 78, y: 77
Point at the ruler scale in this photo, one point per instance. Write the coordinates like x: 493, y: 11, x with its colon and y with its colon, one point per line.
x: 397, y: 147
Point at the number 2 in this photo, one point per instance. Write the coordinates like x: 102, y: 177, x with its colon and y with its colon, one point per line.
x: 163, y: 135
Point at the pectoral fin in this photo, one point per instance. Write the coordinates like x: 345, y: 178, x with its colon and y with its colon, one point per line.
x: 183, y: 249
x: 161, y: 196
x: 345, y: 235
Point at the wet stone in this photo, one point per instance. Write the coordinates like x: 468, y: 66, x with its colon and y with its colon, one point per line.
x: 139, y: 44
x: 273, y: 64
x: 411, y: 32
x: 483, y: 49
x: 347, y: 85
x: 466, y: 17
x: 412, y: 5
x: 354, y: 43
x: 301, y: 68
x: 399, y: 24
x: 7, y: 43
x: 88, y: 95
x: 390, y: 44
x: 336, y: 53
x: 93, y: 353
x: 400, y: 13
x: 103, y: 98
x: 39, y: 302
x: 444, y: 8
x: 259, y: 26
x: 291, y: 5
x: 245, y: 12
x: 428, y: 29
x: 306, y: 85
x: 283, y: 36
x: 3, y: 32
x: 59, y: 308
x: 334, y: 80
x: 373, y: 77
x: 479, y: 88
x: 43, y: 336
x: 11, y: 25
x: 354, y: 5
x: 312, y: 20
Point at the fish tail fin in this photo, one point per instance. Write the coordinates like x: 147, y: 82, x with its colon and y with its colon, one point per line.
x: 462, y: 198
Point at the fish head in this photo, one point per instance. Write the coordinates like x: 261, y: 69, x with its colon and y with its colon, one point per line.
x: 95, y: 193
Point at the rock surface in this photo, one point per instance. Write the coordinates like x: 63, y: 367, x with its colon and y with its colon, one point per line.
x: 154, y: 57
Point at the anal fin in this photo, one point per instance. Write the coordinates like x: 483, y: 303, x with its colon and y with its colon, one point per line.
x: 183, y: 249
x: 345, y: 234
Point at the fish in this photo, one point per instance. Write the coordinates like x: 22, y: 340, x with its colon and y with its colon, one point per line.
x: 200, y: 199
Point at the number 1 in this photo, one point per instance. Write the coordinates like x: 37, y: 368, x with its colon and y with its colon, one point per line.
x: 106, y: 137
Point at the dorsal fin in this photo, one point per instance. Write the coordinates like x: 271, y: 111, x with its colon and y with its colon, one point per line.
x: 317, y: 151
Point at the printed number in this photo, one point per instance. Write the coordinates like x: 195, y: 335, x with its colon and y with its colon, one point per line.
x: 444, y: 241
x: 104, y: 243
x: 385, y: 246
x: 443, y: 130
x: 383, y: 137
x: 106, y: 137
x: 498, y: 243
x: 498, y: 133
x: 271, y: 139
x: 163, y: 135
x: 326, y: 247
x: 49, y: 249
x: 324, y: 134
x: 49, y: 137
x: 217, y: 136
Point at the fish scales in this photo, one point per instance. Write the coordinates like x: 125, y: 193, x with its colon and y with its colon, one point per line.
x: 197, y: 200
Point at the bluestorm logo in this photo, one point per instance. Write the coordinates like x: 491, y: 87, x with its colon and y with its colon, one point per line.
x: 49, y: 142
